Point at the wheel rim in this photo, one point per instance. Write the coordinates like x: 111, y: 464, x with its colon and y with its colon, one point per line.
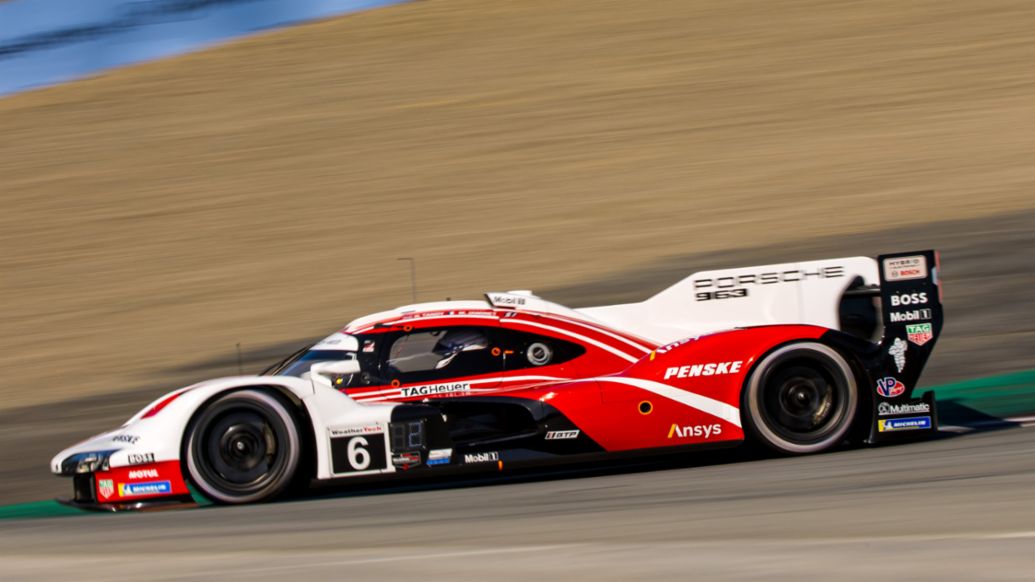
x: 802, y: 398
x: 238, y: 450
x: 802, y: 403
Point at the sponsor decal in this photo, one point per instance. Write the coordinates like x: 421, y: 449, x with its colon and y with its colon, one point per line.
x: 106, y: 487
x: 920, y: 333
x: 890, y: 387
x: 898, y: 351
x: 721, y: 294
x: 911, y: 423
x: 369, y: 346
x: 125, y: 438
x: 482, y: 457
x: 694, y: 431
x: 715, y: 369
x: 914, y: 315
x: 439, y: 456
x: 900, y: 299
x: 669, y: 347
x: 353, y: 430
x: 888, y: 409
x: 905, y: 268
x: 143, y: 474
x: 507, y: 300
x: 560, y: 435
x: 148, y: 488
x: 407, y: 459
x: 734, y: 286
x: 435, y: 389
x: 140, y: 458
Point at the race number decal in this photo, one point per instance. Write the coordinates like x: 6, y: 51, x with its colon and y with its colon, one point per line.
x: 358, y: 453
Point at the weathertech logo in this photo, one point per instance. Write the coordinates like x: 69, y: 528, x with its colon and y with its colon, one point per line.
x: 694, y: 431
x: 717, y: 369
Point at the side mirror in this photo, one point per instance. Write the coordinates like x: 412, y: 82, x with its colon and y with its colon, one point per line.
x: 336, y: 368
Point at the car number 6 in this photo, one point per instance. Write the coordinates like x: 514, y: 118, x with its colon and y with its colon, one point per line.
x: 359, y: 457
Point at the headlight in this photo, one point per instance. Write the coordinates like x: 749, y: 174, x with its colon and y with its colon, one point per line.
x: 86, y: 462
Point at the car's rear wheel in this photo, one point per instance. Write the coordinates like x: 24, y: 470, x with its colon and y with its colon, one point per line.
x: 801, y: 398
x: 243, y: 447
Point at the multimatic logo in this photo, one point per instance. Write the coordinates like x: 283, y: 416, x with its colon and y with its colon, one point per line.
x: 734, y: 286
x: 913, y: 315
x: 888, y: 409
x: 433, y: 389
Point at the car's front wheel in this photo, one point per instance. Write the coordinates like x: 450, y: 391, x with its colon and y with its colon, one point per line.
x: 801, y: 398
x: 243, y: 447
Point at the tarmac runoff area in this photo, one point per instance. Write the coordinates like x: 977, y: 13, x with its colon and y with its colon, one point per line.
x: 957, y: 507
x: 954, y: 508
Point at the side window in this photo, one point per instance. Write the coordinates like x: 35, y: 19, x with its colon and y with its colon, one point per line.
x: 528, y: 350
x: 441, y: 353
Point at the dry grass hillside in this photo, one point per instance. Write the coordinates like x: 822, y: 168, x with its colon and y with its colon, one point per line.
x: 262, y: 191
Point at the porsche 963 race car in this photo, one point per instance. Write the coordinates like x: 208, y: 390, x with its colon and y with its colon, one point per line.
x: 798, y: 357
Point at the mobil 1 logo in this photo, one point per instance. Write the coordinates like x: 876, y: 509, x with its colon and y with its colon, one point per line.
x: 362, y: 452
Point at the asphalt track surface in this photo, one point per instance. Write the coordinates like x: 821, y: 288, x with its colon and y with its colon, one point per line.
x: 959, y: 507
x: 956, y: 508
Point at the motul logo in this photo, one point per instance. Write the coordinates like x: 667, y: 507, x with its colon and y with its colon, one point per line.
x: 694, y: 431
x: 143, y: 474
x: 716, y: 369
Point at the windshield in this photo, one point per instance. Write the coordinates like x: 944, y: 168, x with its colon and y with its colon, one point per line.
x: 298, y: 365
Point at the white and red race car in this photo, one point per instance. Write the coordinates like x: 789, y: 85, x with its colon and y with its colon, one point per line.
x: 800, y: 357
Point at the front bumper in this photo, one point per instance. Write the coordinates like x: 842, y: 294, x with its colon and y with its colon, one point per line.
x: 137, y: 487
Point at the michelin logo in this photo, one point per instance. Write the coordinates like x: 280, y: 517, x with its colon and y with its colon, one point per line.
x: 897, y: 424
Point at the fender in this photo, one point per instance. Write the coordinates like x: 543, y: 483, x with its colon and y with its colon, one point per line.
x: 155, y: 434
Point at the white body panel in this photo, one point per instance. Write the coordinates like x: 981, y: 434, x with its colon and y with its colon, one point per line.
x: 162, y: 433
x: 806, y: 292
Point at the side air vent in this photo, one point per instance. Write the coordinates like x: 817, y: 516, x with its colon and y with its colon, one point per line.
x: 858, y: 310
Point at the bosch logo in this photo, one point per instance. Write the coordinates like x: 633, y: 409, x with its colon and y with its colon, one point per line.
x: 900, y: 299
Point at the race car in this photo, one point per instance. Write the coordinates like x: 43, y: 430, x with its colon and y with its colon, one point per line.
x: 797, y: 357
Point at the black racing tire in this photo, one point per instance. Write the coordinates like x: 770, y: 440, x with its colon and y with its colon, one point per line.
x: 800, y: 399
x: 243, y: 447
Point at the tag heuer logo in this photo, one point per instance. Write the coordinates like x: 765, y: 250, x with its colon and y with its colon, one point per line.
x: 106, y: 488
x: 920, y: 333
